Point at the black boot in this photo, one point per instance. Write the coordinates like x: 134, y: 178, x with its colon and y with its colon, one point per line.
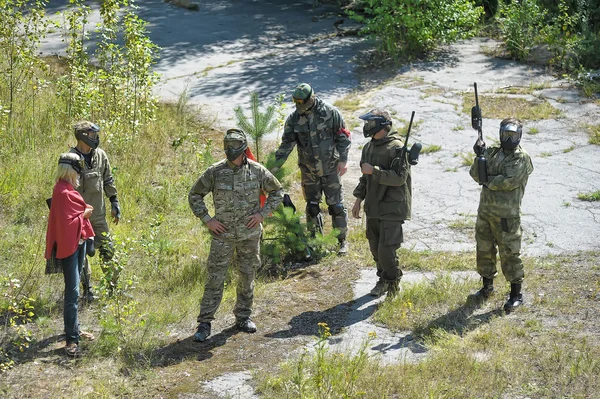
x: 516, y: 298
x: 486, y: 291
x: 88, y: 293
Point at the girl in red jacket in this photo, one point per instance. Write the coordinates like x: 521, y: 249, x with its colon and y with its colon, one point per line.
x: 68, y: 229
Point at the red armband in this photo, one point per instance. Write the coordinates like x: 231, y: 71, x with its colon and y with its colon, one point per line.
x: 344, y: 131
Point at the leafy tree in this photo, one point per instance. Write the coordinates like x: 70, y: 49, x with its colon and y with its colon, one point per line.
x: 22, y: 27
x: 521, y: 24
x: 261, y: 123
x: 410, y: 28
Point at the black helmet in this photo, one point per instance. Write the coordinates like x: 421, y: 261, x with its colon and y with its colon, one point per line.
x: 234, y: 143
x: 87, y: 132
x: 511, y: 131
x: 375, y: 120
x: 73, y: 160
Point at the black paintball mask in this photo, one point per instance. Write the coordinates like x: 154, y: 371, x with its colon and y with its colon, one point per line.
x: 374, y: 123
x: 77, y: 165
x: 234, y: 144
x: 511, y: 132
x: 89, y: 133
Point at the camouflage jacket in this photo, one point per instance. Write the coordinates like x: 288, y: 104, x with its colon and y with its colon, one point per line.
x: 95, y: 179
x: 235, y: 192
x: 508, y: 172
x: 388, y: 191
x: 321, y: 136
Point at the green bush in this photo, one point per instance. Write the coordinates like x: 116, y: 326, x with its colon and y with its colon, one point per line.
x: 410, y: 28
x: 572, y: 40
x: 521, y: 24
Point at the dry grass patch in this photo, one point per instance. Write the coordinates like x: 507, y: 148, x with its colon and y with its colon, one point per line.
x: 428, y: 149
x: 348, y: 104
x: 500, y: 107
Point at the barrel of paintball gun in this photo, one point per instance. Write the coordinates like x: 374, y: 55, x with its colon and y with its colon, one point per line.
x: 477, y: 123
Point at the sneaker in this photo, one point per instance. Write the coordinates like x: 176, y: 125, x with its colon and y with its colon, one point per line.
x: 86, y: 335
x: 246, y: 325
x: 72, y: 349
x: 380, y: 288
x: 202, y: 332
x: 344, y: 248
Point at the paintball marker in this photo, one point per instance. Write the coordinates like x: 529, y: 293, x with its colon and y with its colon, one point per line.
x: 413, y: 153
x: 477, y: 124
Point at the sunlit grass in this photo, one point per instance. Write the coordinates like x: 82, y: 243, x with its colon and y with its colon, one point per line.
x: 594, y: 132
x: 591, y: 196
x: 431, y: 148
x: 500, y: 107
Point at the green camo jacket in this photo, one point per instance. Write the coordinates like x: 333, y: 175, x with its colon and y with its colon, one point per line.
x: 387, y: 192
x: 236, y: 192
x: 321, y: 136
x: 96, y: 179
x: 508, y: 172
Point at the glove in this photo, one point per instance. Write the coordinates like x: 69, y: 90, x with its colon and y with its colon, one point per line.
x: 479, y: 147
x: 115, y: 210
x: 287, y: 202
x: 90, y: 249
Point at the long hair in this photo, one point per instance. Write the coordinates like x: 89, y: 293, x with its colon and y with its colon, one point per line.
x: 66, y: 172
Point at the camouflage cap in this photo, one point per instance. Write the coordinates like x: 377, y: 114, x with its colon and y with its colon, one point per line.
x: 85, y: 126
x: 382, y: 112
x: 235, y: 135
x: 303, y: 92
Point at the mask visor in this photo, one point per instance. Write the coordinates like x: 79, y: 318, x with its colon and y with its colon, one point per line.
x: 232, y: 145
x: 510, y: 132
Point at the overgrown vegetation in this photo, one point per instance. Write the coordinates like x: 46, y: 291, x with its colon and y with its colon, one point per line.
x: 563, y: 34
x: 409, y: 28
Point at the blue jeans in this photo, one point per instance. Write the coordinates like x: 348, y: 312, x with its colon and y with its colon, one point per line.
x: 72, y: 267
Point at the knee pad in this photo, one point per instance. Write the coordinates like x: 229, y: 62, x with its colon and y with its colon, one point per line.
x: 313, y: 209
x: 336, y: 209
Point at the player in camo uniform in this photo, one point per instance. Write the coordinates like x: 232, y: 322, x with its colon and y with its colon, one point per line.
x: 498, y: 226
x: 323, y: 141
x: 236, y: 184
x: 97, y: 181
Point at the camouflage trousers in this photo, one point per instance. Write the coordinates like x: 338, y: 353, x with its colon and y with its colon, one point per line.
x: 221, y: 256
x: 314, y: 187
x: 385, y: 237
x: 495, y: 234
x: 104, y: 247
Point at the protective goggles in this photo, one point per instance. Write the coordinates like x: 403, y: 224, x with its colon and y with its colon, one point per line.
x: 76, y: 165
x: 232, y: 145
x: 511, y: 131
x: 92, y: 131
x: 92, y: 134
x: 371, y: 124
x: 302, y: 102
